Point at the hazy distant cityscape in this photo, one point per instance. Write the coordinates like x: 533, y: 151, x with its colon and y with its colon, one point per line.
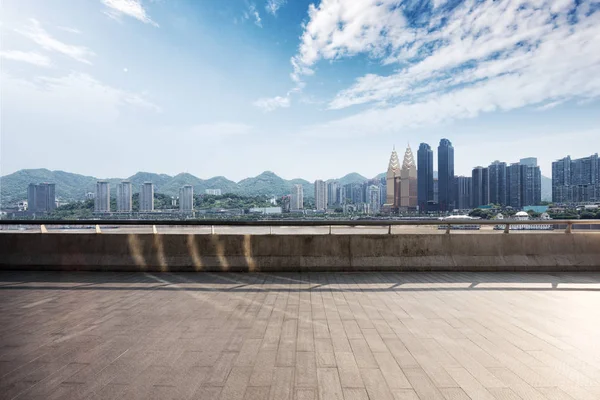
x: 412, y: 187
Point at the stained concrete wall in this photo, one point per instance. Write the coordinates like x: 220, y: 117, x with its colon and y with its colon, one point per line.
x: 453, y: 252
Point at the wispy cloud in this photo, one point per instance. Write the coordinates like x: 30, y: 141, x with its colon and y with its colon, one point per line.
x: 454, y: 61
x: 272, y: 103
x: 273, y: 5
x: 70, y: 30
x: 35, y: 32
x: 30, y: 57
x: 252, y: 13
x: 78, y: 98
x: 132, y: 8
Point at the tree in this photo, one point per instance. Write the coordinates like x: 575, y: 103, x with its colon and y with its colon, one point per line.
x: 587, y: 215
x: 533, y: 214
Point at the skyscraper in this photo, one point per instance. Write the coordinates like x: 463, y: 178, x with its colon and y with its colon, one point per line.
x: 576, y: 181
x: 320, y: 195
x: 561, y: 181
x: 147, y: 197
x: 529, y: 161
x: 424, y: 176
x: 333, y: 193
x: 408, y: 182
x: 462, y: 189
x: 41, y: 198
x: 393, y: 172
x: 297, y: 199
x: 358, y: 193
x: 498, y: 189
x: 446, y: 175
x: 531, y: 190
x: 480, y: 187
x: 186, y: 199
x: 524, y: 182
x: 124, y: 196
x: 102, y: 199
x: 513, y: 179
x: 373, y: 199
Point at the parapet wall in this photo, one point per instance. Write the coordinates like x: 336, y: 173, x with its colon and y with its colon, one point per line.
x: 420, y: 252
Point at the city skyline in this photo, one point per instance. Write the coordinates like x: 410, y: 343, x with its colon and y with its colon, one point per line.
x: 79, y: 76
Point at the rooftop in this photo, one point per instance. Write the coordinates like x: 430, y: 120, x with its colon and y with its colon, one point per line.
x: 299, y: 336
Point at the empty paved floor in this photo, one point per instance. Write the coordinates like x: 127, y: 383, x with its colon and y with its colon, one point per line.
x: 299, y: 336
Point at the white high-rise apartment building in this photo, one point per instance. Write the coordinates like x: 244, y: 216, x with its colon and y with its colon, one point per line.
x: 333, y: 193
x: 297, y: 199
x: 102, y: 200
x: 320, y: 195
x: 147, y: 197
x: 124, y: 196
x: 186, y: 199
x: 374, y: 199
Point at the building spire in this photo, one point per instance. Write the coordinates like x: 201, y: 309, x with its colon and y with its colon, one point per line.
x: 394, y: 164
x: 409, y: 159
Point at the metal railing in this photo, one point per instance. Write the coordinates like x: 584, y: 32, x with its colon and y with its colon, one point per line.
x: 505, y: 223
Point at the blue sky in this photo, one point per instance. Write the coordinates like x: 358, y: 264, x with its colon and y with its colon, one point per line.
x: 305, y: 89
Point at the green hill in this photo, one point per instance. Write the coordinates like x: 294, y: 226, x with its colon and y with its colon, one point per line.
x: 352, y: 177
x: 73, y: 187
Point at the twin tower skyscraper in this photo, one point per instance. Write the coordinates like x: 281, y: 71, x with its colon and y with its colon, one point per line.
x: 411, y: 186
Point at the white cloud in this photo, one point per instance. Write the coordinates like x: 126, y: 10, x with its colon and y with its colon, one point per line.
x: 274, y: 5
x: 30, y: 57
x: 73, y: 97
x: 132, y: 8
x: 273, y: 103
x: 453, y: 63
x: 35, y: 32
x: 251, y: 12
x: 68, y: 29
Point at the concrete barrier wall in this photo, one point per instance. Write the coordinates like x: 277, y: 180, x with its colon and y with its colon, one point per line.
x: 453, y: 252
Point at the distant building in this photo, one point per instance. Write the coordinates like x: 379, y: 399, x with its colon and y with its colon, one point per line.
x: 102, y: 200
x: 480, y: 190
x: 576, y: 181
x: 297, y: 198
x: 186, y: 199
x: 23, y: 205
x: 373, y: 199
x: 382, y: 192
x: 147, y: 197
x: 265, y: 210
x: 408, y: 182
x: 320, y: 195
x: 213, y: 192
x: 345, y: 194
x: 513, y: 179
x: 497, y: 187
x: 333, y: 193
x: 90, y: 196
x: 524, y: 183
x: 529, y: 161
x: 358, y: 193
x: 463, y: 192
x: 531, y: 183
x: 124, y: 197
x: 436, y: 190
x: 286, y: 203
x: 445, y: 175
x: 41, y: 197
x: 424, y: 176
x: 391, y: 178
